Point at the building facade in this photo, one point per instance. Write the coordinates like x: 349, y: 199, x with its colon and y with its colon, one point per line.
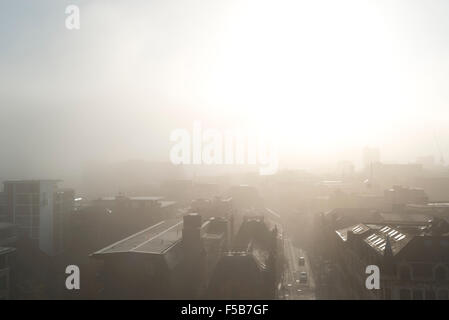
x: 38, y: 208
x: 413, y: 259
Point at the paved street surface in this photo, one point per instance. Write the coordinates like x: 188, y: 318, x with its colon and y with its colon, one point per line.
x: 290, y: 287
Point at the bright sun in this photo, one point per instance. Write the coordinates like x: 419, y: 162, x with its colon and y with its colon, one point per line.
x: 312, y: 69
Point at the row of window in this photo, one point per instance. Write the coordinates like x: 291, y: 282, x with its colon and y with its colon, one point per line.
x: 27, y: 221
x: 26, y: 210
x: 33, y: 233
x: 421, y: 294
x: 440, y: 273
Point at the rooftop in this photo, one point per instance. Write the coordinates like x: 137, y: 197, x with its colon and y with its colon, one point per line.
x: 156, y: 239
x: 32, y: 181
x: 375, y: 235
x: 167, y: 203
x: 145, y: 198
x: 6, y: 250
x: 430, y: 205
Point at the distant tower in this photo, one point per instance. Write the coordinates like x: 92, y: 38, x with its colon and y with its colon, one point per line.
x: 370, y: 156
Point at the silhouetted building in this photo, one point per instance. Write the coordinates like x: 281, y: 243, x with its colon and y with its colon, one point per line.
x: 5, y: 272
x: 217, y: 207
x: 3, y: 208
x: 8, y: 241
x: 252, y: 269
x: 125, y: 215
x: 168, y: 260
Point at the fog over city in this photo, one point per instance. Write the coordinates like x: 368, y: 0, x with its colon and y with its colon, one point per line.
x: 224, y: 150
x: 324, y: 78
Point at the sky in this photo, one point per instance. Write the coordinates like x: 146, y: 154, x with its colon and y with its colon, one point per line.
x: 323, y: 78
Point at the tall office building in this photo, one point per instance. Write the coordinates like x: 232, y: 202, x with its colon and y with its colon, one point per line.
x: 370, y: 156
x: 38, y: 209
x: 3, y: 211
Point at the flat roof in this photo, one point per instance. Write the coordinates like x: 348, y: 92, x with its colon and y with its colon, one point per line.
x: 145, y: 198
x: 5, y: 250
x: 156, y: 239
x: 32, y: 181
x: 167, y: 203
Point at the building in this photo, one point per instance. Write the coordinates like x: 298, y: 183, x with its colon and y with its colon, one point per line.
x: 436, y: 209
x: 413, y: 259
x: 3, y: 208
x: 437, y: 187
x: 389, y: 174
x: 398, y: 197
x: 8, y: 239
x: 428, y: 162
x: 169, y: 260
x: 155, y: 207
x: 370, y: 156
x: 38, y: 208
x: 218, y: 207
x: 252, y: 268
x: 6, y: 254
x: 127, y: 215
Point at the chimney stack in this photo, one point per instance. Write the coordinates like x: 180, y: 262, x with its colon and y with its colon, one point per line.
x: 191, y: 232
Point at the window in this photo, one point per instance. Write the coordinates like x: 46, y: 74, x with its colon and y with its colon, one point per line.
x: 23, y: 199
x: 35, y: 233
x: 440, y: 274
x: 23, y: 221
x: 22, y: 210
x: 3, y: 283
x: 36, y: 199
x: 44, y: 199
x: 443, y: 294
x: 405, y: 273
x: 36, y: 221
x: 418, y: 294
x: 27, y: 187
x: 404, y: 294
x: 430, y: 295
x: 387, y: 294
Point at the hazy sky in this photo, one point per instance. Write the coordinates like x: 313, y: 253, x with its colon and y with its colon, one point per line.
x: 325, y: 78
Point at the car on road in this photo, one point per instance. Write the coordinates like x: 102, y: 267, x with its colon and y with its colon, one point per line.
x: 301, y: 261
x: 303, y: 277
